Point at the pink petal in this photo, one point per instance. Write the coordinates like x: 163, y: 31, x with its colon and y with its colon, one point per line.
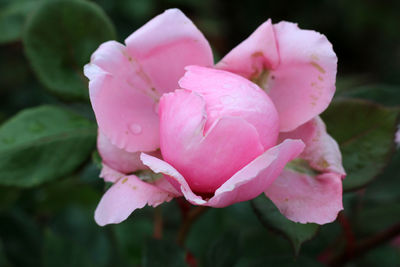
x: 306, y: 199
x: 126, y: 195
x: 245, y: 184
x: 254, y: 178
x: 118, y: 159
x: 206, y: 161
x: 109, y: 174
x: 159, y: 166
x: 302, y: 84
x: 255, y: 54
x: 165, y: 45
x: 321, y: 152
x: 127, y: 82
x: 228, y: 94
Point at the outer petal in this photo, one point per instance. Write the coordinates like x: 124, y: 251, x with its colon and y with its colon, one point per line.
x: 118, y: 159
x: 304, y: 198
x: 126, y: 195
x: 302, y: 84
x: 160, y: 166
x: 255, y: 54
x: 126, y: 82
x: 321, y: 152
x: 165, y: 45
x: 315, y: 195
x: 188, y: 150
x: 253, y: 179
x: 245, y: 184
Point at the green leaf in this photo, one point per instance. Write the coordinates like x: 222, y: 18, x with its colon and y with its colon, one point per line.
x: 365, y: 133
x: 59, y: 38
x: 281, y: 261
x: 62, y: 252
x: 163, y: 253
x: 42, y: 144
x: 271, y: 218
x: 380, y: 93
x: 224, y: 251
x: 12, y: 19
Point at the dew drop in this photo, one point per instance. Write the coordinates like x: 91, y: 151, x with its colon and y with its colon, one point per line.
x: 135, y: 128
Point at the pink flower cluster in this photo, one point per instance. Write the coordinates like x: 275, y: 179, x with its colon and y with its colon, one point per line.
x: 217, y: 134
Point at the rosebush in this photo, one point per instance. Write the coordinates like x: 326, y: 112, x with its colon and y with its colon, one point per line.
x: 228, y: 133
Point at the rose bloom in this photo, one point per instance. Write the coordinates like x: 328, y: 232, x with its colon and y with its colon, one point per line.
x: 218, y: 134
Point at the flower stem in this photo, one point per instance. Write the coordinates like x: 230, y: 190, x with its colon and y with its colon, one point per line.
x: 158, y: 223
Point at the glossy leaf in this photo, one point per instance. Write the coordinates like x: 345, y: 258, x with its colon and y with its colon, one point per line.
x: 380, y: 93
x: 59, y: 38
x: 365, y: 133
x: 271, y: 218
x: 42, y: 144
x: 12, y: 18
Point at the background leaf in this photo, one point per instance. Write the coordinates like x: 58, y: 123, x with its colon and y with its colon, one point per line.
x: 59, y: 38
x: 365, y: 133
x: 63, y: 252
x: 13, y: 14
x: 42, y: 144
x: 224, y: 252
x: 270, y: 216
x: 164, y: 253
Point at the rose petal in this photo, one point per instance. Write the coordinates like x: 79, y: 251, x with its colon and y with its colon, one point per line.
x: 109, y: 174
x: 228, y: 94
x: 126, y: 195
x: 118, y: 159
x: 321, y: 152
x: 126, y: 82
x: 302, y: 85
x: 306, y: 199
x: 165, y: 45
x: 231, y: 141
x: 245, y: 184
x: 304, y: 81
x: 159, y: 166
x: 255, y: 54
x: 254, y: 178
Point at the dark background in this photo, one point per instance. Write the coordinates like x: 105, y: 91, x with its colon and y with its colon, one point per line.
x: 52, y: 224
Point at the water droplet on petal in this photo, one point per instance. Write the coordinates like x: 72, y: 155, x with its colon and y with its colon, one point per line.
x: 135, y: 128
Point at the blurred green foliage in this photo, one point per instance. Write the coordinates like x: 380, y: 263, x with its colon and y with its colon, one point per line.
x: 46, y: 213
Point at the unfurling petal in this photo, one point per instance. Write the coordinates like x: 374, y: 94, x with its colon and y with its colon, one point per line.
x: 301, y: 83
x: 310, y: 188
x: 126, y: 195
x: 307, y: 199
x: 126, y: 82
x: 246, y: 184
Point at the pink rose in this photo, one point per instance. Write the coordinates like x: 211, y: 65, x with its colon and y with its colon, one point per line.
x: 226, y: 134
